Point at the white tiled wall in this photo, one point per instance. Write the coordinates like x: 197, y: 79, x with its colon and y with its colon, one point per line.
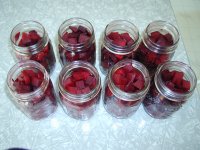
x: 187, y: 13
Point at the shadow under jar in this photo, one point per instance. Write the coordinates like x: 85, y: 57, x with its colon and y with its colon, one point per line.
x: 159, y: 41
x: 79, y: 89
x: 120, y: 40
x: 31, y: 42
x: 76, y: 41
x: 126, y: 85
x: 32, y: 89
x: 174, y: 82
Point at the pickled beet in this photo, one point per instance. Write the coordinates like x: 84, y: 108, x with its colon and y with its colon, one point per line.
x: 108, y: 58
x: 77, y: 35
x: 28, y: 81
x: 80, y: 81
x: 175, y: 81
x: 45, y: 56
x: 150, y: 58
x: 128, y: 79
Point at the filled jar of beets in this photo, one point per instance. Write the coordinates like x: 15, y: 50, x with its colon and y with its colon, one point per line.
x: 159, y: 41
x: 174, y: 82
x: 32, y: 89
x: 30, y: 41
x: 126, y: 85
x: 76, y: 41
x: 120, y: 40
x: 79, y: 89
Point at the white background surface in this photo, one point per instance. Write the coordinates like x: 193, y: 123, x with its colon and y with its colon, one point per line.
x: 181, y: 131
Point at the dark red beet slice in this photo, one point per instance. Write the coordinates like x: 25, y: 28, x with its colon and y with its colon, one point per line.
x: 83, y: 38
x: 128, y: 79
x: 73, y: 28
x: 81, y: 81
x: 72, y: 40
x: 186, y: 85
x: 28, y: 81
x: 80, y: 84
x: 17, y: 36
x: 114, y: 36
x: 120, y: 42
x: 175, y: 81
x: 126, y: 37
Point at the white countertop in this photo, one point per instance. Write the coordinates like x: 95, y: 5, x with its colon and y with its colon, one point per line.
x: 181, y: 131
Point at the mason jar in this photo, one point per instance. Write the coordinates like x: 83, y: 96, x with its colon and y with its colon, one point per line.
x: 120, y: 39
x: 126, y: 85
x: 174, y: 82
x: 76, y: 41
x: 159, y: 42
x: 30, y: 41
x: 79, y: 89
x: 31, y: 89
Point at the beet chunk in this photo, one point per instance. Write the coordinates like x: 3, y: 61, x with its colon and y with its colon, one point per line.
x: 128, y: 79
x: 175, y: 81
x: 28, y: 81
x: 80, y: 81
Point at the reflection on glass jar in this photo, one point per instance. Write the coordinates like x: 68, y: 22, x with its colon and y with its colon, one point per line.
x: 79, y: 89
x: 173, y: 84
x: 32, y: 89
x: 125, y: 88
x: 31, y: 42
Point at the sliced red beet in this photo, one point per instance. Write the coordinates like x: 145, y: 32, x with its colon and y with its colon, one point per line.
x: 73, y: 28
x: 17, y: 36
x: 120, y: 42
x: 83, y: 38
x: 72, y: 40
x: 175, y: 81
x: 126, y: 37
x: 114, y: 36
x: 81, y: 81
x: 28, y: 81
x: 80, y: 84
x: 185, y: 85
x: 128, y: 79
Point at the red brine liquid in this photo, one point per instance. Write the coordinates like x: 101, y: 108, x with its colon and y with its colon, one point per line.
x: 108, y: 57
x: 81, y: 92
x: 43, y: 54
x: 80, y: 46
x: 151, y: 59
x: 156, y: 104
x: 40, y: 105
x: 125, y: 80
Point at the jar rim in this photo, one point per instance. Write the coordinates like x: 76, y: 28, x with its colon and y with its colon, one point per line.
x: 79, y: 97
x: 167, y: 92
x: 156, y: 46
x: 117, y: 48
x: 125, y: 95
x: 33, y: 47
x: 71, y: 21
x: 20, y: 66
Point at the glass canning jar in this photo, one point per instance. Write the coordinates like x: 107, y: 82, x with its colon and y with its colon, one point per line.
x: 31, y: 89
x: 120, y: 39
x: 174, y: 82
x: 76, y: 41
x: 30, y: 41
x: 79, y: 89
x: 126, y: 85
x: 158, y: 44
